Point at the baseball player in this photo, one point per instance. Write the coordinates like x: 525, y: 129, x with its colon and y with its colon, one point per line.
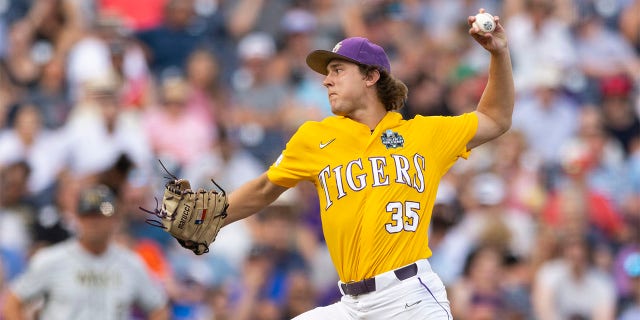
x: 88, y: 277
x: 377, y: 174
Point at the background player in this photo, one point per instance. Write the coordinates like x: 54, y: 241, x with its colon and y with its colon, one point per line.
x: 88, y: 277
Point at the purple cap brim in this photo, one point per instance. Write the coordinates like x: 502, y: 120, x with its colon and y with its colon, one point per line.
x: 355, y: 49
x: 318, y: 60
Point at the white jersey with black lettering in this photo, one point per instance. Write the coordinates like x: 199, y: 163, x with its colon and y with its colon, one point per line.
x: 75, y: 284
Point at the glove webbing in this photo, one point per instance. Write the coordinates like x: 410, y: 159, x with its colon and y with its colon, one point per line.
x: 163, y: 214
x: 157, y: 211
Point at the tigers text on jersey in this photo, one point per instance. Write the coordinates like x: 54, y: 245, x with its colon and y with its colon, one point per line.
x: 376, y: 189
x: 78, y: 285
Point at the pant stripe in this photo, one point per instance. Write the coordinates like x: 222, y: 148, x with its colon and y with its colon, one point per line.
x: 434, y: 298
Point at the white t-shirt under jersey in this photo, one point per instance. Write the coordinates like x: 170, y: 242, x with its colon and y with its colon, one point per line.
x: 78, y: 285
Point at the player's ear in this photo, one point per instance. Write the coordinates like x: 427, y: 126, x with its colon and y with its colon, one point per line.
x: 372, y: 77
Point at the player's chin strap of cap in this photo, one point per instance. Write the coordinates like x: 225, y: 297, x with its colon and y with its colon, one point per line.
x: 369, y: 284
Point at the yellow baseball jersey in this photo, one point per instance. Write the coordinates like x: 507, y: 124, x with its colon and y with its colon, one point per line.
x: 376, y: 189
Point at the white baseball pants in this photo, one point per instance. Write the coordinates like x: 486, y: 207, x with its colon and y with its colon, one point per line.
x: 422, y: 296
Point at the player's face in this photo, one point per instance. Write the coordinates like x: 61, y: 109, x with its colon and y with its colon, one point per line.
x: 346, y: 87
x: 96, y: 229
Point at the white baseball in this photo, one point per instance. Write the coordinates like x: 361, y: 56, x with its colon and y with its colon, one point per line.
x: 484, y: 22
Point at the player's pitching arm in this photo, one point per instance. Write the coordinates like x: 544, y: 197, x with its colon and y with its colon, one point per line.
x: 495, y: 107
x: 252, y: 197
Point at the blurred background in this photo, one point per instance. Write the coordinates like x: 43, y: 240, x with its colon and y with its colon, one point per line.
x: 542, y: 223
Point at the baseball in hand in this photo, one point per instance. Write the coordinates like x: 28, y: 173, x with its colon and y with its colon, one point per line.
x: 484, y: 22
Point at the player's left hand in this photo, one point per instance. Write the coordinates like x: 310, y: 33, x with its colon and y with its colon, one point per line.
x: 495, y: 41
x: 194, y: 218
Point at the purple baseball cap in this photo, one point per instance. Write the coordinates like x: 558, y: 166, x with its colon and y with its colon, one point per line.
x: 356, y: 49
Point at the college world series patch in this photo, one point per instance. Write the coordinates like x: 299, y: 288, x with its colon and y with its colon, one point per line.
x: 392, y: 139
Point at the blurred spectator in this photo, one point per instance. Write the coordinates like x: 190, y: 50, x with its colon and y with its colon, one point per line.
x: 189, y: 291
x: 577, y: 205
x: 248, y: 16
x: 605, y: 159
x: 169, y: 45
x: 296, y: 37
x: 137, y: 15
x: 464, y: 88
x: 374, y: 22
x: 520, y: 169
x: 629, y: 23
x: 9, y: 95
x: 53, y: 220
x: 311, y: 243
x: 631, y: 308
x: 192, y: 278
x: 165, y: 124
x: 116, y: 176
x: 211, y: 20
x: 547, y: 118
x: 50, y: 94
x: 100, y: 131
x: 440, y: 20
x: 489, y: 192
x: 623, y: 279
x: 151, y: 253
x: 447, y: 213
x: 109, y: 48
x: 602, y: 52
x: 486, y: 222
x: 618, y: 114
x: 251, y: 303
x: 218, y: 300
x: 46, y: 32
x: 41, y: 148
x: 426, y: 97
x: 328, y: 30
x: 208, y: 97
x: 272, y: 263
x: 516, y: 284
x: 259, y: 101
x: 22, y: 69
x: 539, y: 39
x: 478, y: 295
x: 301, y: 295
x: 631, y: 203
x: 3, y: 281
x: 128, y: 61
x: 570, y: 288
x: 11, y: 11
x: 94, y: 276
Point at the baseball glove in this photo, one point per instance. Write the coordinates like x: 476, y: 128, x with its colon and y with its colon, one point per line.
x: 194, y: 218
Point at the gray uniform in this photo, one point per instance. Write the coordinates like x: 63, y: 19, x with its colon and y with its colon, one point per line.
x: 78, y: 285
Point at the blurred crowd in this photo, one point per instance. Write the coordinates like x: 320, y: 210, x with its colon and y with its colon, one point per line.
x: 542, y: 223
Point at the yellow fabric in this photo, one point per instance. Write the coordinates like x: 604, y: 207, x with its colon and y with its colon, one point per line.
x: 375, y: 201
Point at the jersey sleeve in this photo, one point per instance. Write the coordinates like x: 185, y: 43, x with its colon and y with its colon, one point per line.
x: 450, y: 135
x: 292, y: 165
x: 34, y: 282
